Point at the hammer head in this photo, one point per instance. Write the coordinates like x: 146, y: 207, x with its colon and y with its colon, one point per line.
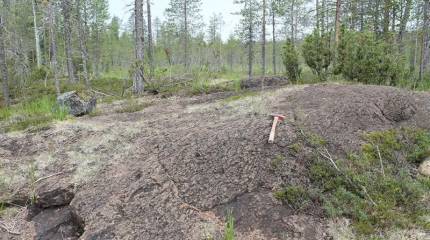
x: 279, y: 116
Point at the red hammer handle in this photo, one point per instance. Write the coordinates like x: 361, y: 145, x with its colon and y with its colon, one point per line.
x: 272, y: 132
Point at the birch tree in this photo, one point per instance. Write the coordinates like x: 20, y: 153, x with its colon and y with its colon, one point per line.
x: 36, y: 34
x: 82, y: 36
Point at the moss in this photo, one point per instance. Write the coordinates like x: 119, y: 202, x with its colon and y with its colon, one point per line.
x: 276, y: 162
x: 296, y: 148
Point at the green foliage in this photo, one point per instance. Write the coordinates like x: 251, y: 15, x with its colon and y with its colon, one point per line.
x: 229, y: 227
x: 290, y: 58
x: 376, y: 187
x: 317, y: 53
x: 295, y: 196
x: 364, y: 58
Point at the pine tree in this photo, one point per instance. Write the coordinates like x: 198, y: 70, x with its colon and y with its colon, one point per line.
x: 138, y: 86
x: 185, y: 13
x: 248, y: 28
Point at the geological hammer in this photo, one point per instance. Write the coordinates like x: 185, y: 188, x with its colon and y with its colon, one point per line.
x: 277, y: 118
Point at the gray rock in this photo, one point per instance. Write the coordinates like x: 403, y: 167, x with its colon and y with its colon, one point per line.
x: 77, y: 107
x: 54, y: 195
x: 57, y: 224
x: 425, y: 168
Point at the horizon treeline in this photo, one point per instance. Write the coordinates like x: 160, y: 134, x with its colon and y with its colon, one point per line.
x: 75, y: 42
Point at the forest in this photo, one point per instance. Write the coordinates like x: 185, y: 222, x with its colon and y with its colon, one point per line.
x: 51, y: 46
x: 306, y: 120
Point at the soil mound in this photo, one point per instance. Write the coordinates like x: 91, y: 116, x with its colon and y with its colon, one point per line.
x: 343, y: 113
x: 174, y: 169
x: 262, y: 82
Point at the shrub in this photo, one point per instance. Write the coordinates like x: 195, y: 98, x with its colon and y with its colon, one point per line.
x: 364, y: 58
x: 377, y: 187
x: 295, y: 196
x: 317, y: 53
x: 290, y: 59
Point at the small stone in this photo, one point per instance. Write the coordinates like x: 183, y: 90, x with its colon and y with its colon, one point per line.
x: 424, y: 168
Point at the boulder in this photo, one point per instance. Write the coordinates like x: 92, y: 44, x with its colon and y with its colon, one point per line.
x: 54, y: 195
x: 77, y: 107
x: 57, y: 223
x: 425, y: 168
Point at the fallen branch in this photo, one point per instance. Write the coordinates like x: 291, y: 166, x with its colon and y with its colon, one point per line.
x: 102, y: 93
x: 47, y: 177
x: 328, y: 156
x: 380, y: 160
x: 8, y: 230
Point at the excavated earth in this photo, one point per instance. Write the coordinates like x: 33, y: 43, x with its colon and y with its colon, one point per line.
x: 175, y: 169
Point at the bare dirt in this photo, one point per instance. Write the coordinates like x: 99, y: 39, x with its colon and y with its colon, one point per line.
x: 174, y: 170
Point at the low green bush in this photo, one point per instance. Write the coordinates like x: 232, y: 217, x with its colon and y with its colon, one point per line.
x: 377, y: 187
x: 290, y: 58
x: 317, y: 53
x: 365, y: 58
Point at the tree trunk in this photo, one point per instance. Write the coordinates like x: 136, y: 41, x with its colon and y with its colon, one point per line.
x: 36, y: 35
x: 403, y: 22
x: 425, y: 40
x: 3, y: 65
x: 337, y: 23
x: 362, y: 12
x: 150, y: 41
x: 51, y: 25
x: 386, y: 25
x: 317, y: 10
x: 273, y: 38
x: 138, y: 86
x: 263, y: 49
x: 376, y: 5
x: 250, y: 43
x: 68, y: 40
x: 292, y: 21
x: 186, y: 35
x: 82, y: 33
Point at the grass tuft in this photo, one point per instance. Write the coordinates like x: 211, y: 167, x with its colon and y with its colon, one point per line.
x: 36, y: 113
x: 229, y: 227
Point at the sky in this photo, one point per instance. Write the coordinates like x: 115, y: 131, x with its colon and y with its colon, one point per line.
x: 121, y: 9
